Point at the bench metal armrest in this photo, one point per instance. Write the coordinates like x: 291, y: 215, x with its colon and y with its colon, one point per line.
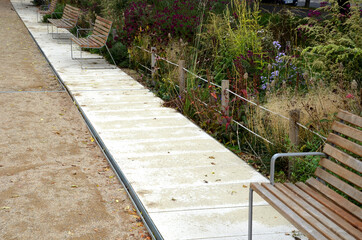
x: 278, y: 155
x: 44, y: 7
x: 82, y: 29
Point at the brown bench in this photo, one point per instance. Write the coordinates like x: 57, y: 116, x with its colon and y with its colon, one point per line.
x: 96, y: 40
x: 47, y: 9
x: 69, y: 19
x: 328, y: 206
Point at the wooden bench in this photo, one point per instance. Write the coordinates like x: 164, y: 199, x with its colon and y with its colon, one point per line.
x: 96, y: 40
x: 47, y: 9
x: 317, y: 209
x: 69, y: 19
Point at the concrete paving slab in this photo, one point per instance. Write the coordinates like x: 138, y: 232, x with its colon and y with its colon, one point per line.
x: 191, y: 185
x: 202, y: 224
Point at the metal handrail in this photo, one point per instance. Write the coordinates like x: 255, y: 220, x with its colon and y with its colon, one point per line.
x: 297, y: 154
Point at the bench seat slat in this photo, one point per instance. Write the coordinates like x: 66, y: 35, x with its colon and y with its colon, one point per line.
x: 319, y: 213
x: 342, y: 203
x: 85, y: 42
x: 312, y: 220
x: 339, y: 184
x: 343, y: 157
x: 324, y: 205
x: 288, y: 213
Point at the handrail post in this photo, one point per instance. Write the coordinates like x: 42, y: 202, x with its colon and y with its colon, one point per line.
x: 181, y: 77
x: 153, y: 61
x: 293, y: 136
x: 225, y: 97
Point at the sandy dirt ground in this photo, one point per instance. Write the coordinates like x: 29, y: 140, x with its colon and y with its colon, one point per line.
x: 55, y: 182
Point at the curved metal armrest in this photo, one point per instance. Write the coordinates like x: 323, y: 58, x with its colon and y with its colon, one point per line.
x: 298, y: 154
x: 82, y: 29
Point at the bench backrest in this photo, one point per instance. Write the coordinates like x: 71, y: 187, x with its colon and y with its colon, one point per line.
x: 70, y: 15
x: 101, y: 30
x: 52, y: 6
x: 345, y: 151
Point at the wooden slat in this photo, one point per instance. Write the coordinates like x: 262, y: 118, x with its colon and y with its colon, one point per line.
x: 344, y: 143
x: 339, y: 184
x: 350, y: 118
x: 310, y: 199
x: 301, y: 212
x: 347, y: 130
x: 96, y: 32
x: 101, y: 31
x: 341, y: 171
x: 103, y: 24
x: 338, y: 200
x: 104, y: 20
x: 315, y: 212
x: 289, y: 214
x: 343, y: 157
x: 98, y: 40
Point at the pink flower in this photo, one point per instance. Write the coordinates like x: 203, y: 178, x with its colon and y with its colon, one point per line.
x: 349, y: 96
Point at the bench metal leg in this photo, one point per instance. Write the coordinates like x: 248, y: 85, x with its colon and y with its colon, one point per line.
x: 250, y: 221
x: 81, y: 58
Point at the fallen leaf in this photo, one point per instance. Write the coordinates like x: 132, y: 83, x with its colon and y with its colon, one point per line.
x: 211, y: 157
x: 173, y: 199
x: 74, y: 186
x: 92, y: 139
x: 117, y: 200
x: 212, y: 163
x: 218, y: 180
x: 5, y: 207
x: 244, y: 186
x: 205, y: 181
x: 233, y: 192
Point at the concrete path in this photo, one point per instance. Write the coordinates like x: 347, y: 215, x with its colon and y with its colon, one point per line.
x: 191, y: 186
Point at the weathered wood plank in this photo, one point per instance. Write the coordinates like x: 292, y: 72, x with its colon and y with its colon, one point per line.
x: 344, y: 143
x: 350, y: 118
x: 347, y: 130
x: 289, y: 214
x: 317, y: 213
x: 313, y: 198
x: 339, y: 184
x: 343, y: 157
x: 337, y: 199
x: 341, y: 171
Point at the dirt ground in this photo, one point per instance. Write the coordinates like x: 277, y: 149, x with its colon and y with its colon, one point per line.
x: 55, y: 182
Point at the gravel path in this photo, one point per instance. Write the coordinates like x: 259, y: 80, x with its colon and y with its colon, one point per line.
x: 54, y: 181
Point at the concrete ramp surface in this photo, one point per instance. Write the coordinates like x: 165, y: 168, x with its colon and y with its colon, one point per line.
x: 190, y: 185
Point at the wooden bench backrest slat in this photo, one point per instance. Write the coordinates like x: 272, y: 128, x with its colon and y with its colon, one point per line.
x: 347, y: 131
x: 100, y: 21
x: 341, y: 171
x: 70, y: 15
x: 339, y: 205
x: 343, y: 157
x: 101, y: 30
x: 339, y: 184
x: 350, y: 118
x: 301, y: 212
x: 53, y: 5
x: 345, y: 144
x: 313, y: 211
x: 289, y: 214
